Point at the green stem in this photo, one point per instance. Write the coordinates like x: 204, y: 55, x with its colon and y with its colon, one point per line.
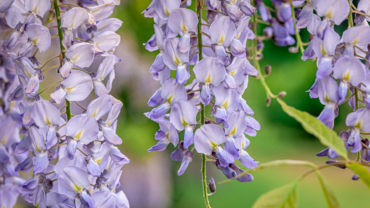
x: 199, y: 5
x: 350, y: 24
x: 255, y: 60
x: 62, y: 49
x: 299, y: 40
x: 356, y: 98
x: 350, y: 18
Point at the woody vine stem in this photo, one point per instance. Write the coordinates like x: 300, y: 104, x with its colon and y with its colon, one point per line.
x: 62, y: 50
x: 199, y: 6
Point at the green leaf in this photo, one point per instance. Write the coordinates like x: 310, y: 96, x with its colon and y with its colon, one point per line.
x: 361, y: 171
x: 280, y: 163
x: 282, y: 197
x: 331, y: 199
x: 315, y: 127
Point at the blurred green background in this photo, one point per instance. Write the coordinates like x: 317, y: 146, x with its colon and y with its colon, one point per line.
x: 280, y: 137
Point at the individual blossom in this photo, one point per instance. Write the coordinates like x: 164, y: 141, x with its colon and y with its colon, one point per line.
x: 71, y: 20
x: 212, y: 76
x: 171, y: 93
x: 354, y: 37
x: 226, y: 102
x: 358, y: 121
x: 333, y: 11
x: 73, y: 182
x: 222, y: 32
x: 208, y: 139
x: 176, y: 60
x: 183, y: 116
x: 75, y: 88
x: 165, y: 135
x: 327, y: 92
x: 165, y: 7
x: 184, y: 22
x: 81, y: 128
x: 306, y: 15
x: 80, y: 55
x: 350, y: 71
x: 325, y: 51
x: 45, y: 114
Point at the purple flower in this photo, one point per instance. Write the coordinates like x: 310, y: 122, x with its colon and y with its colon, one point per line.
x: 80, y: 55
x: 183, y: 116
x: 171, y: 93
x: 349, y: 70
x: 183, y: 22
x: 39, y: 7
x: 210, y: 72
x: 165, y: 135
x: 208, y: 139
x: 165, y: 7
x: 40, y: 36
x: 81, y: 128
x: 226, y: 102
x: 333, y: 11
x: 222, y: 74
x: 47, y: 134
x: 176, y: 60
x: 75, y: 88
x: 325, y: 51
x: 222, y: 32
x: 358, y: 121
x: 247, y: 8
x: 327, y: 91
x: 73, y: 182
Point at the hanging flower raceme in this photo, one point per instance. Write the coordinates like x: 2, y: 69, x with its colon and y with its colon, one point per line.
x: 214, y: 50
x: 34, y: 131
x: 343, y: 66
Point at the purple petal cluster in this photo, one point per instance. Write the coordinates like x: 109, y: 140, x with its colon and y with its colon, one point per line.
x: 216, y: 81
x: 343, y: 70
x: 74, y: 161
x: 281, y: 27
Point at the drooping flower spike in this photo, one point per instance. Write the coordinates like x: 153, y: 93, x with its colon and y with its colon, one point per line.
x: 343, y: 65
x: 221, y: 73
x: 81, y: 145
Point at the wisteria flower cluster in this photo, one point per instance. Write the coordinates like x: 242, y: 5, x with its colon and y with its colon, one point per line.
x: 214, y: 51
x: 342, y: 60
x: 73, y: 158
x: 343, y: 65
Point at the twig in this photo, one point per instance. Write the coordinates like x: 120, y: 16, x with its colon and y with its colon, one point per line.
x: 214, y: 11
x: 49, y: 86
x: 79, y: 105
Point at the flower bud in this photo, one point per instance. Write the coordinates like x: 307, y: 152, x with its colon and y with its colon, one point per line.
x: 293, y: 49
x: 260, y: 46
x: 359, y: 18
x: 48, y: 184
x: 281, y: 94
x: 268, y: 101
x: 341, y: 166
x: 250, y: 25
x: 355, y: 177
x: 212, y: 185
x: 267, y: 70
x: 259, y: 56
x: 207, y: 122
x: 268, y: 32
x: 298, y: 12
